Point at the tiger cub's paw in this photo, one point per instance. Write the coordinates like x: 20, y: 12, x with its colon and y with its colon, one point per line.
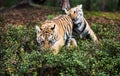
x: 73, y: 43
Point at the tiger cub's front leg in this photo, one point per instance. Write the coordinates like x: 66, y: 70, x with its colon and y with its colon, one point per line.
x: 56, y: 47
x: 60, y: 43
x: 72, y: 43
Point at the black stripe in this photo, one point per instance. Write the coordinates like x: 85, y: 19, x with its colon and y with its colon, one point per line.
x: 76, y: 26
x: 83, y: 27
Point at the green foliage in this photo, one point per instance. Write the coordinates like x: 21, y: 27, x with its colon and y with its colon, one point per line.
x: 9, y: 3
x: 95, y: 4
x: 51, y: 16
x: 111, y: 5
x: 21, y: 57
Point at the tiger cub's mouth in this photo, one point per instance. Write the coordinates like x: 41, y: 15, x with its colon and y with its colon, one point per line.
x: 75, y: 20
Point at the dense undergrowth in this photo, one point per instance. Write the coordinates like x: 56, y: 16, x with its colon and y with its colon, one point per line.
x: 20, y: 55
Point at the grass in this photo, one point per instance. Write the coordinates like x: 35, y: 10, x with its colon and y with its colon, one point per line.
x: 20, y: 55
x: 51, y: 16
x: 109, y: 15
x: 20, y: 51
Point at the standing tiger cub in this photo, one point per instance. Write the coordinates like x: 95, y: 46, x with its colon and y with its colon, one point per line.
x: 55, y: 33
x: 81, y: 26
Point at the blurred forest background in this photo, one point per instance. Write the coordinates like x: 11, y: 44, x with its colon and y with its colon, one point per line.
x: 95, y: 5
x: 20, y: 55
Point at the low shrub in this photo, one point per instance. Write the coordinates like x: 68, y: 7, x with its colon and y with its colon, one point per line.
x: 20, y: 55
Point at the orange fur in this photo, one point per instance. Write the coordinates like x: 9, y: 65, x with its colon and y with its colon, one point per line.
x: 53, y: 32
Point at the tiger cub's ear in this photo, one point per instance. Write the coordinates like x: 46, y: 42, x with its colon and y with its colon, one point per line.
x: 37, y: 29
x: 80, y: 6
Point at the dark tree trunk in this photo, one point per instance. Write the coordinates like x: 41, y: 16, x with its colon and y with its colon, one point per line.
x: 1, y: 3
x: 22, y: 1
x: 64, y: 4
x: 34, y: 1
x: 88, y: 5
x: 38, y: 1
x: 118, y: 5
x: 103, y: 4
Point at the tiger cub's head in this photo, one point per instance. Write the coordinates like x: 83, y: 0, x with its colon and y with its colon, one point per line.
x: 76, y: 13
x: 45, y: 36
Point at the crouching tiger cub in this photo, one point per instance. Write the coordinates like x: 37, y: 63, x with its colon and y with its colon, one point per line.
x: 81, y: 26
x: 55, y: 33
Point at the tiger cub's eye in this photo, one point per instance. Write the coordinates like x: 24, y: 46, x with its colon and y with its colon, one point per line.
x: 74, y: 11
x: 42, y: 41
x: 50, y: 41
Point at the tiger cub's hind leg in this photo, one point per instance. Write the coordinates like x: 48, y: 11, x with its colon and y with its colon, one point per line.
x: 93, y: 36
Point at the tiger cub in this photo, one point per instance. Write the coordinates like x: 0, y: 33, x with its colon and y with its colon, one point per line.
x: 81, y: 26
x: 55, y: 33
